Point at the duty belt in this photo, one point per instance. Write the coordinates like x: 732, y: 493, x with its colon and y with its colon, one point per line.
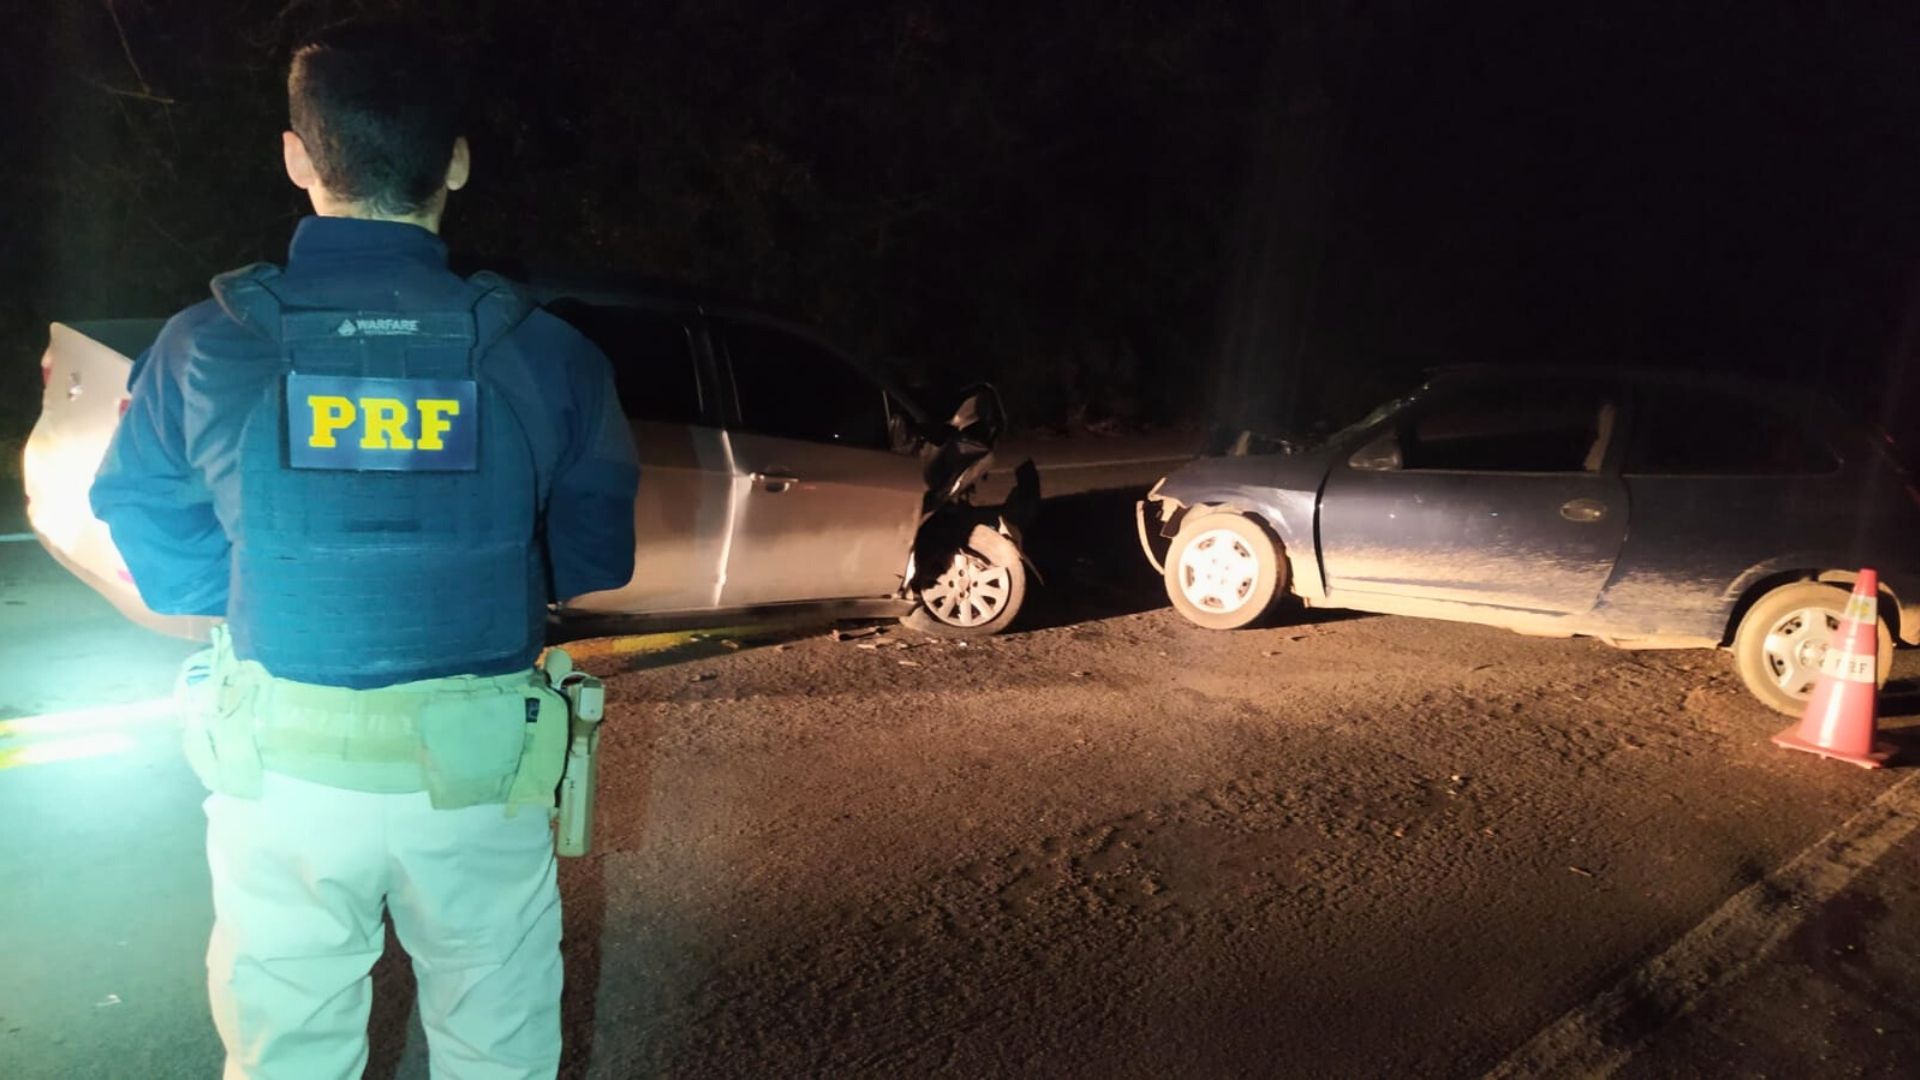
x: 465, y: 740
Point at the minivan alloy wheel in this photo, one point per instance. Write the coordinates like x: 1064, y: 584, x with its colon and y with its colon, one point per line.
x: 970, y: 592
x: 979, y: 587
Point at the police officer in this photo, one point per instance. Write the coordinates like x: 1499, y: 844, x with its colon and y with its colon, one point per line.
x: 379, y: 473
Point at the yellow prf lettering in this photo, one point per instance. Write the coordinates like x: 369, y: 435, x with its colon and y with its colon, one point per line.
x: 386, y: 421
x: 330, y: 414
x: 434, y: 422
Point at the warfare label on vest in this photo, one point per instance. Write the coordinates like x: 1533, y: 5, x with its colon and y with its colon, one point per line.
x: 383, y: 425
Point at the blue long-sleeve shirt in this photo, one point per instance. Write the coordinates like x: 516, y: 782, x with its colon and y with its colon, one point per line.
x: 168, y: 487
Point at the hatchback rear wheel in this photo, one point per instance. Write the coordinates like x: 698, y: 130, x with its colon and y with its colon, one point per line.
x: 1783, y: 637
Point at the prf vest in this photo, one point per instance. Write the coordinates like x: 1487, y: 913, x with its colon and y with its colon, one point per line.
x: 387, y: 524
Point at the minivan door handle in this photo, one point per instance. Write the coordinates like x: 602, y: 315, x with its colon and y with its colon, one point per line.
x: 773, y: 483
x: 1583, y: 510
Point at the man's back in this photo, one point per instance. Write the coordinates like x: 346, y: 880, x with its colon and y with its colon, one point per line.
x: 363, y: 571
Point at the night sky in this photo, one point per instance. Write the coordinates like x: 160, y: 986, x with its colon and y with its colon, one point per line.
x: 1126, y: 214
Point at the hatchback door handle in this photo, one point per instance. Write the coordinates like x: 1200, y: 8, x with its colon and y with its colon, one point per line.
x: 1584, y: 510
x: 774, y: 483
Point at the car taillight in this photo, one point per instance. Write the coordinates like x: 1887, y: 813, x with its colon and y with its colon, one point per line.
x: 124, y: 402
x: 46, y: 368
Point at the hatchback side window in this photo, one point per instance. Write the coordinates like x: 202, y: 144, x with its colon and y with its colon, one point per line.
x: 652, y: 356
x: 793, y: 389
x: 1695, y: 431
x: 1541, y: 426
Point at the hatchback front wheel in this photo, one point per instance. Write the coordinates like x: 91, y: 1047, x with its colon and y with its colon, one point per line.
x: 1224, y: 570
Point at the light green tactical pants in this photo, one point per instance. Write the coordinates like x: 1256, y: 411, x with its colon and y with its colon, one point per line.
x: 300, y: 878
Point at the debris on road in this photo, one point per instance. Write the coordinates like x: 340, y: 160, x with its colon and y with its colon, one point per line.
x: 843, y: 634
x: 874, y: 646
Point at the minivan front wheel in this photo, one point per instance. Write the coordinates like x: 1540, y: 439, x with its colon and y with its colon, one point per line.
x: 1783, y: 637
x: 977, y: 592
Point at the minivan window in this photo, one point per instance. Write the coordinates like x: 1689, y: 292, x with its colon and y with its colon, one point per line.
x: 1543, y: 426
x: 793, y: 389
x: 1698, y: 431
x: 654, y: 370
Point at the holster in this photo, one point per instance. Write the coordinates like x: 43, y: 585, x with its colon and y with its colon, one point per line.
x: 545, y: 756
x: 217, y: 721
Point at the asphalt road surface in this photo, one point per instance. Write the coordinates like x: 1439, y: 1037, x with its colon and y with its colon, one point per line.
x: 1107, y: 845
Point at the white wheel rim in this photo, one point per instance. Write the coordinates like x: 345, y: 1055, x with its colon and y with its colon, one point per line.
x: 970, y: 592
x: 1794, y: 647
x: 1219, y: 572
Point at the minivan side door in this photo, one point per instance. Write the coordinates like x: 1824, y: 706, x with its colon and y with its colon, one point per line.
x: 1494, y: 492
x: 670, y: 394
x: 823, y: 507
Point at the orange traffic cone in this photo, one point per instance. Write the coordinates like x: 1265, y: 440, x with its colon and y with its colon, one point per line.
x: 1839, y: 719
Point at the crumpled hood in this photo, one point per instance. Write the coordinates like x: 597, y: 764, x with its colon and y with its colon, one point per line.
x: 1255, y: 477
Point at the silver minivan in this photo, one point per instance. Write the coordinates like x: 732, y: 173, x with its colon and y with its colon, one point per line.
x: 779, y: 476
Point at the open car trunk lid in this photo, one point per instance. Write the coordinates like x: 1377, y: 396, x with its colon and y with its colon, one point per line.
x: 85, y: 370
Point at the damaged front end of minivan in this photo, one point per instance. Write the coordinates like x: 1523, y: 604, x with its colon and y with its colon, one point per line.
x: 967, y: 574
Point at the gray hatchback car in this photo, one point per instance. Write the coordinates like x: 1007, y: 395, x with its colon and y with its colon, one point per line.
x: 1649, y: 510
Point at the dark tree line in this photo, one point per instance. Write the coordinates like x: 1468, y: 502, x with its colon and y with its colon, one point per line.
x: 1124, y: 212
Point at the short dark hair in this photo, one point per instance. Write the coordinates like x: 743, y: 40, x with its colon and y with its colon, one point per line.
x: 379, y: 106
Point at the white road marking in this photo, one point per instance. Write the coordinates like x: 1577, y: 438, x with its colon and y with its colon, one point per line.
x: 102, y: 718
x: 1114, y: 464
x: 15, y: 538
x: 1593, y: 1040
x: 80, y: 746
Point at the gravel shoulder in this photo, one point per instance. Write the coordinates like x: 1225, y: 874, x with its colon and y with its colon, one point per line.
x: 1120, y: 846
